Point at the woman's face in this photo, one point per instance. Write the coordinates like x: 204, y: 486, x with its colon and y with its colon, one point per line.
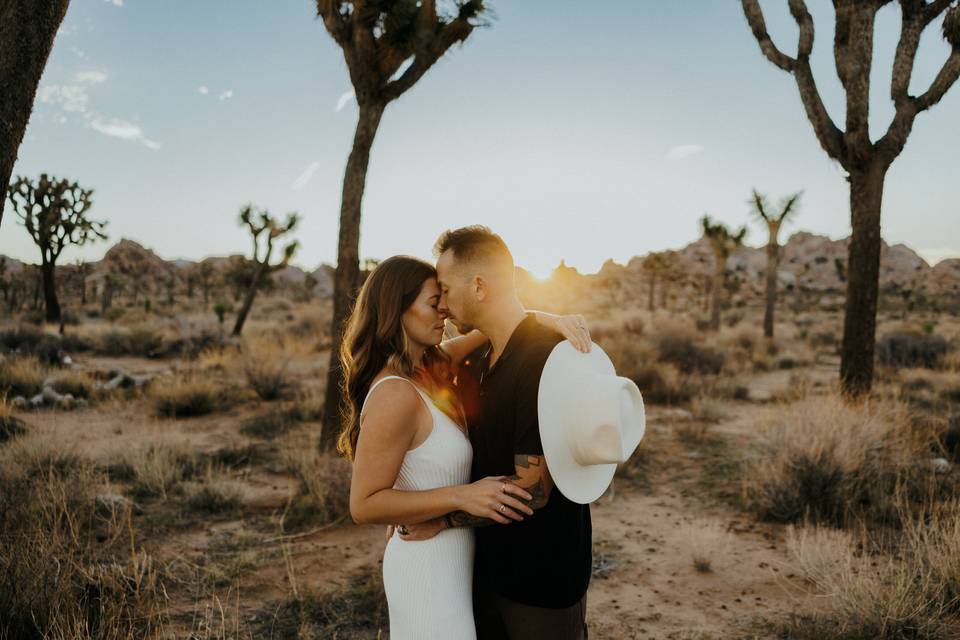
x: 422, y: 322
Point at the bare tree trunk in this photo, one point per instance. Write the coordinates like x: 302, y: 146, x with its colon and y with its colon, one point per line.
x: 248, y: 300
x: 863, y: 273
x: 51, y: 303
x: 773, y: 260
x: 347, y: 276
x: 27, y: 30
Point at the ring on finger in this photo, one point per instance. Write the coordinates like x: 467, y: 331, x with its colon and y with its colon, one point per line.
x: 503, y: 487
x: 503, y: 508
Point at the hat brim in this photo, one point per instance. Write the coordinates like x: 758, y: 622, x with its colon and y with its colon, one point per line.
x: 580, y: 483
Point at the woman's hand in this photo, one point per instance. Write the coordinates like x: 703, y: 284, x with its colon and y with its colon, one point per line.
x: 424, y: 530
x: 573, y: 328
x: 495, y: 498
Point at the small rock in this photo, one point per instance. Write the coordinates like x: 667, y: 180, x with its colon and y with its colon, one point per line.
x: 941, y: 465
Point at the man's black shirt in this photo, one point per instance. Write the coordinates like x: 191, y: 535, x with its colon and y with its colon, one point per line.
x: 544, y: 561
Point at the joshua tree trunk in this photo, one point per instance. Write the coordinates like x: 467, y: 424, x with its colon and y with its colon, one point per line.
x: 347, y: 276
x: 27, y: 30
x: 51, y: 303
x: 773, y: 261
x: 863, y: 272
x: 248, y: 300
x: 716, y: 293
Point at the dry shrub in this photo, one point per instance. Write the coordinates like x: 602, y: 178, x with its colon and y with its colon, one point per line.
x: 910, y: 593
x: 911, y: 349
x: 707, y: 544
x: 157, y: 469
x: 324, y: 493
x: 190, y: 394
x: 707, y: 409
x: 21, y: 376
x: 10, y: 425
x: 830, y: 462
x: 214, y: 494
x: 265, y: 363
x: 67, y: 568
x: 140, y: 340
x: 357, y: 609
x: 682, y: 345
x: 79, y: 384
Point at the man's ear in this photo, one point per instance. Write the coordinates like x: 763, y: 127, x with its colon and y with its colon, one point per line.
x: 479, y: 286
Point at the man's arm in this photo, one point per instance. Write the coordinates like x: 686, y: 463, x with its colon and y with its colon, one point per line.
x: 531, y: 475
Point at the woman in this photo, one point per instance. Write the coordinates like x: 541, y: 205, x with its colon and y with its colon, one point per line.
x: 412, y: 463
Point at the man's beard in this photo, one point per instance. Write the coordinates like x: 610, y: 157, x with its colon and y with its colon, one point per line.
x: 462, y: 328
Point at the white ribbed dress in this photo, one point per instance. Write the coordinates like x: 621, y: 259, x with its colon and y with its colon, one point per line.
x: 429, y: 583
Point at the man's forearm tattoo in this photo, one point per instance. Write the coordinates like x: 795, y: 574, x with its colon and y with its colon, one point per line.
x: 537, y: 490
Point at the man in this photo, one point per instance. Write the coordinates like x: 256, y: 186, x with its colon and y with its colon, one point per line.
x: 531, y: 577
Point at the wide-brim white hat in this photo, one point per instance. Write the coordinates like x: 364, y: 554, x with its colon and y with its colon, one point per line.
x: 590, y: 418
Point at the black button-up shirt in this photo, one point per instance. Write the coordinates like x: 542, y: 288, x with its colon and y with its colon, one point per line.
x: 545, y: 560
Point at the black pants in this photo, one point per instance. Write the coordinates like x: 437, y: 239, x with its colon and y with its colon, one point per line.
x: 498, y: 618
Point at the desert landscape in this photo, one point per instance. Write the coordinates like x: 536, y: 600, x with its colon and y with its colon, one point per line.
x: 170, y: 379
x: 175, y: 470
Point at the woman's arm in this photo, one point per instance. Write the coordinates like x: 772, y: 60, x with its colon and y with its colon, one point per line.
x: 389, y: 426
x: 458, y: 348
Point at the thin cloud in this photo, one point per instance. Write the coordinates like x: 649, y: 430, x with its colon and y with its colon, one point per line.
x: 203, y: 90
x: 226, y: 95
x: 123, y: 129
x: 684, y: 151
x: 91, y: 77
x: 306, y: 176
x: 344, y: 99
x: 69, y: 97
x: 116, y: 3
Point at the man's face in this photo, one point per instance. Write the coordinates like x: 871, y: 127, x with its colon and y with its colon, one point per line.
x: 454, y: 291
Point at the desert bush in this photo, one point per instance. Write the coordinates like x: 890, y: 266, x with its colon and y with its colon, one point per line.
x: 828, y: 462
x: 156, y: 469
x: 681, y: 346
x: 270, y: 424
x: 268, y: 379
x: 188, y: 395
x: 662, y: 383
x: 46, y: 347
x: 357, y: 609
x: 324, y: 492
x: 902, y: 349
x: 213, y: 495
x: 909, y: 593
x: 10, y: 425
x: 21, y: 376
x: 707, y: 409
x: 79, y: 384
x: 138, y: 340
x: 67, y: 570
x: 308, y: 405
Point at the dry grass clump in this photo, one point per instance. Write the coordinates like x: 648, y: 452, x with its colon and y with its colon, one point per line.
x: 265, y: 364
x: 79, y: 384
x: 139, y: 340
x: 355, y: 610
x: 324, y: 493
x: 10, y: 425
x: 910, y: 593
x: 911, y: 349
x: 188, y: 395
x: 830, y: 462
x: 67, y: 569
x: 707, y: 543
x: 213, y: 494
x: 156, y: 469
x: 21, y: 376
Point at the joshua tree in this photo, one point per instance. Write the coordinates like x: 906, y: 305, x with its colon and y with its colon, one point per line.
x: 83, y: 270
x: 265, y: 231
x: 654, y: 265
x: 722, y: 243
x: 377, y: 38
x: 865, y: 161
x: 171, y: 286
x: 55, y: 215
x: 761, y: 210
x: 27, y: 30
x: 110, y: 285
x: 204, y: 272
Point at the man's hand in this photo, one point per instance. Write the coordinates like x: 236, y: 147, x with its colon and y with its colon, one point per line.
x: 424, y: 530
x: 532, y: 476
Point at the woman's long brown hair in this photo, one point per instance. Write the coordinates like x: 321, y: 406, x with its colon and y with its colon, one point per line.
x: 374, y: 338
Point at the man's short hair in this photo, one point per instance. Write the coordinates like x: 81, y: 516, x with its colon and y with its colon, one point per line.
x: 475, y: 243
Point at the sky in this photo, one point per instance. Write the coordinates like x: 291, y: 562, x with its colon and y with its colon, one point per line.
x: 581, y: 131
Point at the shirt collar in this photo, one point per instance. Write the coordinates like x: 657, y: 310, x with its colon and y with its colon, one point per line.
x: 516, y: 338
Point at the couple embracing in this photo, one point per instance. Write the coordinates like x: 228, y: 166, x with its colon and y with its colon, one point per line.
x: 445, y: 440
